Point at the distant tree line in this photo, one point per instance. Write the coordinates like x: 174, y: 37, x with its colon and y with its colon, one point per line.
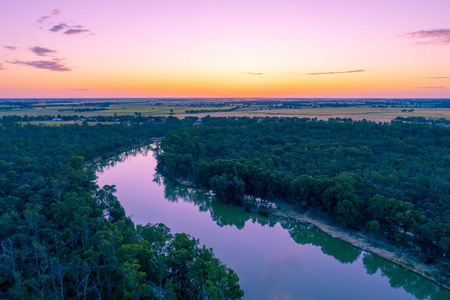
x: 64, y: 237
x: 424, y: 120
x: 391, y: 179
x: 136, y: 118
x: 196, y: 111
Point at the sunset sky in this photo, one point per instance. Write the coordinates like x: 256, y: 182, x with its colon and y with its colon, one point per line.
x: 215, y: 48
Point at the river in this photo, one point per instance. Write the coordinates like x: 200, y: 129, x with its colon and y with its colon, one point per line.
x: 274, y: 260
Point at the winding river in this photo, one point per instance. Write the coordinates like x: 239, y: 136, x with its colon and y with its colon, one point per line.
x: 274, y: 260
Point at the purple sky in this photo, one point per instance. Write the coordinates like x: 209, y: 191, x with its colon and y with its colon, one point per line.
x: 228, y: 48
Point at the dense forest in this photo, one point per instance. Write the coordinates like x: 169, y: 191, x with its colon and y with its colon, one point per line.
x: 389, y: 179
x: 63, y: 237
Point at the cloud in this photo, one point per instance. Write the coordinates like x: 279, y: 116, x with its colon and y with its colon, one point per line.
x: 55, y: 12
x: 254, y: 74
x: 432, y: 87
x: 81, y: 90
x: 442, y: 77
x: 75, y: 31
x: 333, y: 73
x: 12, y: 48
x: 43, y: 19
x: 59, y: 27
x: 52, y: 65
x: 71, y: 30
x: 1, y: 67
x: 40, y: 51
x: 433, y: 36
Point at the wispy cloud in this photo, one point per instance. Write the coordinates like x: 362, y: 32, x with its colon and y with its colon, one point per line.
x: 52, y: 65
x: 333, y: 73
x: 43, y: 19
x: 81, y: 90
x: 75, y: 31
x: 432, y: 87
x: 12, y: 48
x: 69, y: 30
x: 59, y: 27
x: 55, y: 12
x: 40, y: 51
x: 430, y: 37
x: 437, y: 77
x: 254, y: 74
x: 1, y: 67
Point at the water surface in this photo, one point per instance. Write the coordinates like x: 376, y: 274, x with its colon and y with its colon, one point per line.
x: 274, y: 260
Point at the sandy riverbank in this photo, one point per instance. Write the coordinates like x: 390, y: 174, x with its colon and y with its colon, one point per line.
x: 288, y: 211
x: 358, y: 239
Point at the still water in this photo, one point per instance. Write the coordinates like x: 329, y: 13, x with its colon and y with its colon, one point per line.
x: 274, y: 260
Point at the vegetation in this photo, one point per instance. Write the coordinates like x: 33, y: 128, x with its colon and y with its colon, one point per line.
x: 372, y: 109
x: 64, y: 237
x: 391, y: 179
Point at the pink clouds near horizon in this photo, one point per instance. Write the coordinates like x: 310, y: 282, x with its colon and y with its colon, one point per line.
x: 41, y: 51
x: 52, y: 65
x: 432, y: 36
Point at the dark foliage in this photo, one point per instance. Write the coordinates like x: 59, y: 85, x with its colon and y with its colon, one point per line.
x: 391, y: 178
x: 64, y: 237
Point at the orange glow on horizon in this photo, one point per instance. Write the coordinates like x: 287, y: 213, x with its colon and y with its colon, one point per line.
x: 206, y: 49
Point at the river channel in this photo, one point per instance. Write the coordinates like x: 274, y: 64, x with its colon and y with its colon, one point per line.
x: 274, y: 260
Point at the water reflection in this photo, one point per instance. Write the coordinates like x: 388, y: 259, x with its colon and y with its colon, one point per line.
x: 306, y: 234
x: 399, y: 277
x: 269, y: 261
x: 222, y: 214
x: 116, y: 158
x: 225, y: 215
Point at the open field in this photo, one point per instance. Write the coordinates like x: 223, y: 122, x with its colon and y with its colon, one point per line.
x: 358, y: 113
x: 89, y: 108
x: 374, y: 110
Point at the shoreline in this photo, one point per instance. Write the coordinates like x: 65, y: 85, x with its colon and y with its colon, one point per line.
x: 288, y: 212
x: 93, y: 161
x: 358, y: 239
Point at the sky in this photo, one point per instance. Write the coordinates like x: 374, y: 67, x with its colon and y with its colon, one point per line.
x: 224, y: 48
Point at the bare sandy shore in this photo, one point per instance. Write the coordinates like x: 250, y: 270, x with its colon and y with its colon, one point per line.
x: 358, y: 239
x: 287, y: 211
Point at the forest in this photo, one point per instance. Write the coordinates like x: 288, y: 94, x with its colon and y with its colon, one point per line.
x: 64, y: 237
x: 388, y: 179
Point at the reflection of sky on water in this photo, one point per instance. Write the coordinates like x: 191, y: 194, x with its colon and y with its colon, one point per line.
x: 273, y: 260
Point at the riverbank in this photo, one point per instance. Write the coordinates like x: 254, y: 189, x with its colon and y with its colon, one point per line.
x: 402, y: 257
x: 91, y: 162
x: 287, y: 211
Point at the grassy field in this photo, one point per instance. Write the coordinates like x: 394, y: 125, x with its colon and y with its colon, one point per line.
x: 115, y: 109
x: 221, y: 107
x: 328, y: 111
x: 357, y: 113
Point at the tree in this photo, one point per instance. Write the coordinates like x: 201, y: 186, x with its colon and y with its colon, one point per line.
x: 228, y: 188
